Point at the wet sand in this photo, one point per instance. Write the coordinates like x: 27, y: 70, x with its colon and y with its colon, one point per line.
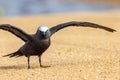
x: 76, y: 53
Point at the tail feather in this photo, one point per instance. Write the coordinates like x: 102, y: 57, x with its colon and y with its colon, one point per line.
x: 17, y: 54
x: 7, y: 55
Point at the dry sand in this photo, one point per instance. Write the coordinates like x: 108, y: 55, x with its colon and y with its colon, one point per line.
x: 75, y: 53
x: 108, y: 2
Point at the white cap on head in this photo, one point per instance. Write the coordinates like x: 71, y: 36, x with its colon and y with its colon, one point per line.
x: 43, y: 28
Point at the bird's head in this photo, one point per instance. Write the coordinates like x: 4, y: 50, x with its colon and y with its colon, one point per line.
x: 44, y: 32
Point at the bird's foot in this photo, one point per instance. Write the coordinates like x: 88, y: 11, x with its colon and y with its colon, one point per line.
x: 28, y: 67
x: 44, y: 66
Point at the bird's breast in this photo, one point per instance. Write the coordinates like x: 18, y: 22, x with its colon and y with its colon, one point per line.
x: 41, y: 45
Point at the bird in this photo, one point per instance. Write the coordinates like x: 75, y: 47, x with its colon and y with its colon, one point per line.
x: 36, y: 44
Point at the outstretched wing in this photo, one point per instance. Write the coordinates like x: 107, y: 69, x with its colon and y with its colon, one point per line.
x: 75, y: 23
x: 16, y: 31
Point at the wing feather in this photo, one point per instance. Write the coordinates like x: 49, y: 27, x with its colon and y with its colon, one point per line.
x: 75, y: 23
x: 16, y: 31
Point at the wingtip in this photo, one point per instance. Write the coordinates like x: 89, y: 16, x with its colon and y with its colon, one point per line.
x: 114, y: 31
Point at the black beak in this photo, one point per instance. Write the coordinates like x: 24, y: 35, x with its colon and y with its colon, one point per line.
x: 43, y: 34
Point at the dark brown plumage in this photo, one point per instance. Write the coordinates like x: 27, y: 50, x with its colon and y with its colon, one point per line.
x: 39, y: 42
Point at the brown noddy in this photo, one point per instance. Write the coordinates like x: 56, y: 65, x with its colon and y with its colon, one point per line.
x: 39, y: 42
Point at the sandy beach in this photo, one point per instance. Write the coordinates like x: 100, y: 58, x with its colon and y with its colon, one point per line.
x: 76, y: 53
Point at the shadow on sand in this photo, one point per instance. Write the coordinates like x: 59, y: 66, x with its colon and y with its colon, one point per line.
x: 13, y: 67
x: 20, y: 67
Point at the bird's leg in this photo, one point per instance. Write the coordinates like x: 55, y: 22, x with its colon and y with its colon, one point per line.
x: 28, y: 62
x: 41, y: 63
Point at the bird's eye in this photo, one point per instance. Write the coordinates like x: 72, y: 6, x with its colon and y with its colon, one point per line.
x: 41, y: 31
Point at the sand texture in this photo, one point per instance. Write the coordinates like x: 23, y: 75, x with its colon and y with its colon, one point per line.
x: 76, y: 53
